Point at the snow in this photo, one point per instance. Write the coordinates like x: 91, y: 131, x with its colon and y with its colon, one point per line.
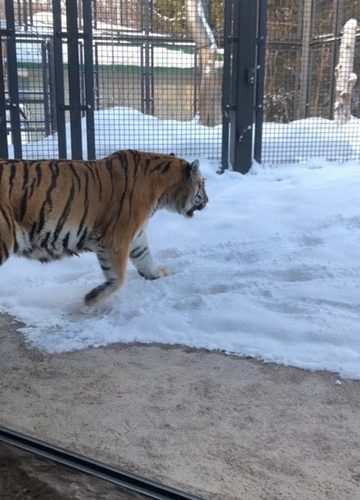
x: 270, y: 269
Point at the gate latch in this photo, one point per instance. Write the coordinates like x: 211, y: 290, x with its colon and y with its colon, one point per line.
x: 250, y: 76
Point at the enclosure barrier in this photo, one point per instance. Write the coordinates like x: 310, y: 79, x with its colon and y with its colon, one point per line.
x: 132, y: 482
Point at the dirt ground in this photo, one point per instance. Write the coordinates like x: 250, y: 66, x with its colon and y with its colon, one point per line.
x: 219, y: 426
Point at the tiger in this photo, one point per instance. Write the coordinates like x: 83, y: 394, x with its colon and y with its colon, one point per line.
x: 50, y: 209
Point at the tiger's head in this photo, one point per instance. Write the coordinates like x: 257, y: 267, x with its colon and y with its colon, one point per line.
x: 194, y: 186
x: 188, y: 195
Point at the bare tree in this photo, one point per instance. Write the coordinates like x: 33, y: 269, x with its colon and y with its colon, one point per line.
x: 209, y: 95
x: 345, y: 78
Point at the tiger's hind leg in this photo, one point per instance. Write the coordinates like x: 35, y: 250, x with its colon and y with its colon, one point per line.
x: 8, y: 243
x: 142, y: 259
x: 113, y: 264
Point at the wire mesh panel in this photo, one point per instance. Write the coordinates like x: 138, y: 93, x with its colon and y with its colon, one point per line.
x: 30, y: 63
x: 153, y: 80
x: 303, y: 88
x: 148, y: 80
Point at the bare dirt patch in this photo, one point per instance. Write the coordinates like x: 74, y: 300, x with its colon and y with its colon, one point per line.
x: 220, y: 426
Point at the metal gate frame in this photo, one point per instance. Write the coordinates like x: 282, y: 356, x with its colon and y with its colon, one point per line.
x: 244, y: 61
x: 243, y: 81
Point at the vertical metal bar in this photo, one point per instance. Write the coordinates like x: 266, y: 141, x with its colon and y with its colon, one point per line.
x: 45, y: 82
x: 25, y: 15
x: 31, y: 12
x: 19, y: 16
x: 302, y: 109
x: 196, y: 59
x: 58, y: 66
x: 89, y: 78
x: 226, y: 86
x: 260, y: 79
x: 336, y: 7
x: 97, y: 77
x: 13, y: 79
x: 74, y: 78
x: 148, y: 70
x: 151, y: 79
x: 243, y: 85
x: 4, y: 152
x: 142, y: 87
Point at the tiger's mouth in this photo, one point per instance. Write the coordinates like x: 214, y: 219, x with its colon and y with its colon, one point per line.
x: 190, y: 212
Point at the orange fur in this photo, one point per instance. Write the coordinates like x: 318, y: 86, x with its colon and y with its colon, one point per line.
x: 54, y: 208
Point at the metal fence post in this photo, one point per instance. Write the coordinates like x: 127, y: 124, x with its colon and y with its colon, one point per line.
x: 13, y: 79
x: 59, y: 79
x: 243, y: 85
x: 226, y: 86
x: 260, y: 79
x: 74, y: 78
x: 89, y: 78
x: 4, y: 152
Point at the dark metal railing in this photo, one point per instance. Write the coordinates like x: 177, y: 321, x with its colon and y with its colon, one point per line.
x: 132, y: 482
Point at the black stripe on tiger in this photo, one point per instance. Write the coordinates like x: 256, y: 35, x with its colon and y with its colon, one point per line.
x: 76, y: 175
x: 5, y: 215
x: 64, y: 215
x: 12, y: 177
x: 38, y: 174
x: 96, y: 291
x: 86, y: 203
x: 137, y: 252
x: 32, y: 187
x: 81, y: 241
x: 109, y: 168
x: 5, y: 250
x: 165, y: 168
x: 124, y: 161
x: 45, y: 241
x: 25, y: 188
x: 32, y: 231
x: 54, y: 175
x: 99, y: 181
x: 66, y: 240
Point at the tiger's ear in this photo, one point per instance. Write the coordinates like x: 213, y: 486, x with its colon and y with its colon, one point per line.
x: 192, y: 168
x: 172, y: 154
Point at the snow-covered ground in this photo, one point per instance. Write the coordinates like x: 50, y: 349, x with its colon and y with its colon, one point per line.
x: 270, y: 269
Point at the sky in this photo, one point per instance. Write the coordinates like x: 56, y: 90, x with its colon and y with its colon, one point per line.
x: 270, y: 269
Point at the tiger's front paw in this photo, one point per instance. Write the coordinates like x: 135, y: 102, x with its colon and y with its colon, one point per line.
x: 155, y: 273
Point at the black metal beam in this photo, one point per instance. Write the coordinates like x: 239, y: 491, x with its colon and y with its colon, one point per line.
x: 4, y: 152
x: 260, y: 79
x: 74, y: 79
x: 89, y: 79
x: 243, y: 85
x: 132, y: 482
x: 226, y: 85
x: 13, y: 79
x: 59, y: 79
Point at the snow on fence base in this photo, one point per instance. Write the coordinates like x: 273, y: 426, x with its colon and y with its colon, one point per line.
x: 124, y: 128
